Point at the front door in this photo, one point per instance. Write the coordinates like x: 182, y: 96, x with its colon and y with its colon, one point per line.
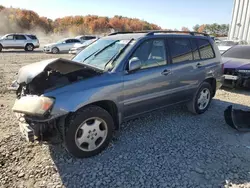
x: 147, y: 88
x: 9, y: 41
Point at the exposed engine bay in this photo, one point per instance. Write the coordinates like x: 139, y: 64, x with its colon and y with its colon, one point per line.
x: 55, y: 73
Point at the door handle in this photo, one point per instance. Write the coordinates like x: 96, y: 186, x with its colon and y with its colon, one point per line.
x: 199, y: 65
x: 166, y: 72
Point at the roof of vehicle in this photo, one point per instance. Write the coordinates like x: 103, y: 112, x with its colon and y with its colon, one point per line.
x: 19, y: 34
x: 137, y: 35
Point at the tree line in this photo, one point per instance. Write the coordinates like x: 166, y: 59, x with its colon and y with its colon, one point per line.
x: 20, y: 20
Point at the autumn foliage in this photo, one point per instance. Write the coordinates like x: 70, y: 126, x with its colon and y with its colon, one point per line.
x: 20, y: 20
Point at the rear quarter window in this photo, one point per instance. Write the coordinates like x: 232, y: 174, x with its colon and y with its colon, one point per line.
x: 33, y: 37
x: 205, y: 48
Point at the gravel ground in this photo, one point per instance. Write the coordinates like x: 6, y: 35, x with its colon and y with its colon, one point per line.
x: 166, y: 148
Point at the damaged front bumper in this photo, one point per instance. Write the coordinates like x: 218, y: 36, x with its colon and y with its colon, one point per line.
x: 237, y: 119
x: 236, y: 81
x: 34, y: 116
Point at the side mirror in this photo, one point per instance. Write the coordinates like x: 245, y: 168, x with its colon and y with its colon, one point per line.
x: 134, y: 64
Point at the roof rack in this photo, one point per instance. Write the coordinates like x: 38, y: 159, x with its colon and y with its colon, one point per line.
x: 152, y: 32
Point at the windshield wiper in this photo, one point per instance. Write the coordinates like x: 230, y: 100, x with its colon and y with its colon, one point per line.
x: 100, y: 50
x: 114, y: 57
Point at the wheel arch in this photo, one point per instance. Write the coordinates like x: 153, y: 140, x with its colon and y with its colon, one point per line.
x: 108, y: 105
x: 212, y: 82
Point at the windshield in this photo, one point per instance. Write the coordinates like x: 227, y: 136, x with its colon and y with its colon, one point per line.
x: 3, y: 36
x: 227, y: 43
x: 240, y: 52
x: 101, y: 52
x: 61, y: 41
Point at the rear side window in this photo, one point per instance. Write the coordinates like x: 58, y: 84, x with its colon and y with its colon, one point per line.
x: 33, y: 37
x: 180, y: 50
x: 89, y: 37
x: 20, y: 37
x: 75, y: 41
x: 195, y: 49
x: 205, y: 48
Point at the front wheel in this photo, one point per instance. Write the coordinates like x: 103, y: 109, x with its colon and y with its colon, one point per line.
x: 201, y: 100
x: 55, y: 50
x: 1, y: 48
x: 88, y: 131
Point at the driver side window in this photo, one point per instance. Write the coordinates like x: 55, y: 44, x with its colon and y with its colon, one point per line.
x: 10, y: 37
x: 151, y: 53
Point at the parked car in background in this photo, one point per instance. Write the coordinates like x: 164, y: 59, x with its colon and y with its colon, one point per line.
x: 216, y: 40
x: 79, y: 47
x: 116, y: 78
x: 28, y: 42
x: 225, y: 45
x: 85, y: 38
x: 237, y: 66
x: 63, y: 45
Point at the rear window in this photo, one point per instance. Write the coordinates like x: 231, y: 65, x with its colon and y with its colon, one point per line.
x: 241, y: 52
x: 205, y: 48
x: 33, y: 37
x: 180, y: 50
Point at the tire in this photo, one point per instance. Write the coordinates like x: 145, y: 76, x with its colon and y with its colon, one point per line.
x: 197, y: 107
x: 85, y: 136
x: 1, y: 47
x: 55, y: 50
x: 29, y: 47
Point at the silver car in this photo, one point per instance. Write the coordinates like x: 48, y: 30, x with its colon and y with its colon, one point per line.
x: 116, y: 78
x: 79, y: 47
x: 63, y: 45
x: 28, y: 42
x: 85, y: 38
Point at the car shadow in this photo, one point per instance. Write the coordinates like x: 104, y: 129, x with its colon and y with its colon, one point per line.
x: 21, y: 51
x: 241, y: 90
x: 164, y: 148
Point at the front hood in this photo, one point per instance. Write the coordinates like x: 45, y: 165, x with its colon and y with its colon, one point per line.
x: 52, y: 44
x: 224, y: 48
x: 27, y: 73
x: 235, y: 63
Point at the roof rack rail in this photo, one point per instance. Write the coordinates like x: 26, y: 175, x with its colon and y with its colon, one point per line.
x: 127, y: 32
x: 181, y: 32
x: 152, y: 32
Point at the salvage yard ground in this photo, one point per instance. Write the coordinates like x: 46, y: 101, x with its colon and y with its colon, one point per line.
x: 166, y: 148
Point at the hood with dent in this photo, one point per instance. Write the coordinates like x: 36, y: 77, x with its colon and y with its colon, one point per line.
x: 235, y: 63
x: 27, y: 73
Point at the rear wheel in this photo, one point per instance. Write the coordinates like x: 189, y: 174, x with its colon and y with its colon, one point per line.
x: 1, y: 47
x: 55, y: 50
x: 202, y: 99
x: 88, y: 132
x: 29, y: 47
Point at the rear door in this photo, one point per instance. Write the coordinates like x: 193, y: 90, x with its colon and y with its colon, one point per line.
x: 20, y: 41
x: 147, y: 88
x: 185, y: 60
